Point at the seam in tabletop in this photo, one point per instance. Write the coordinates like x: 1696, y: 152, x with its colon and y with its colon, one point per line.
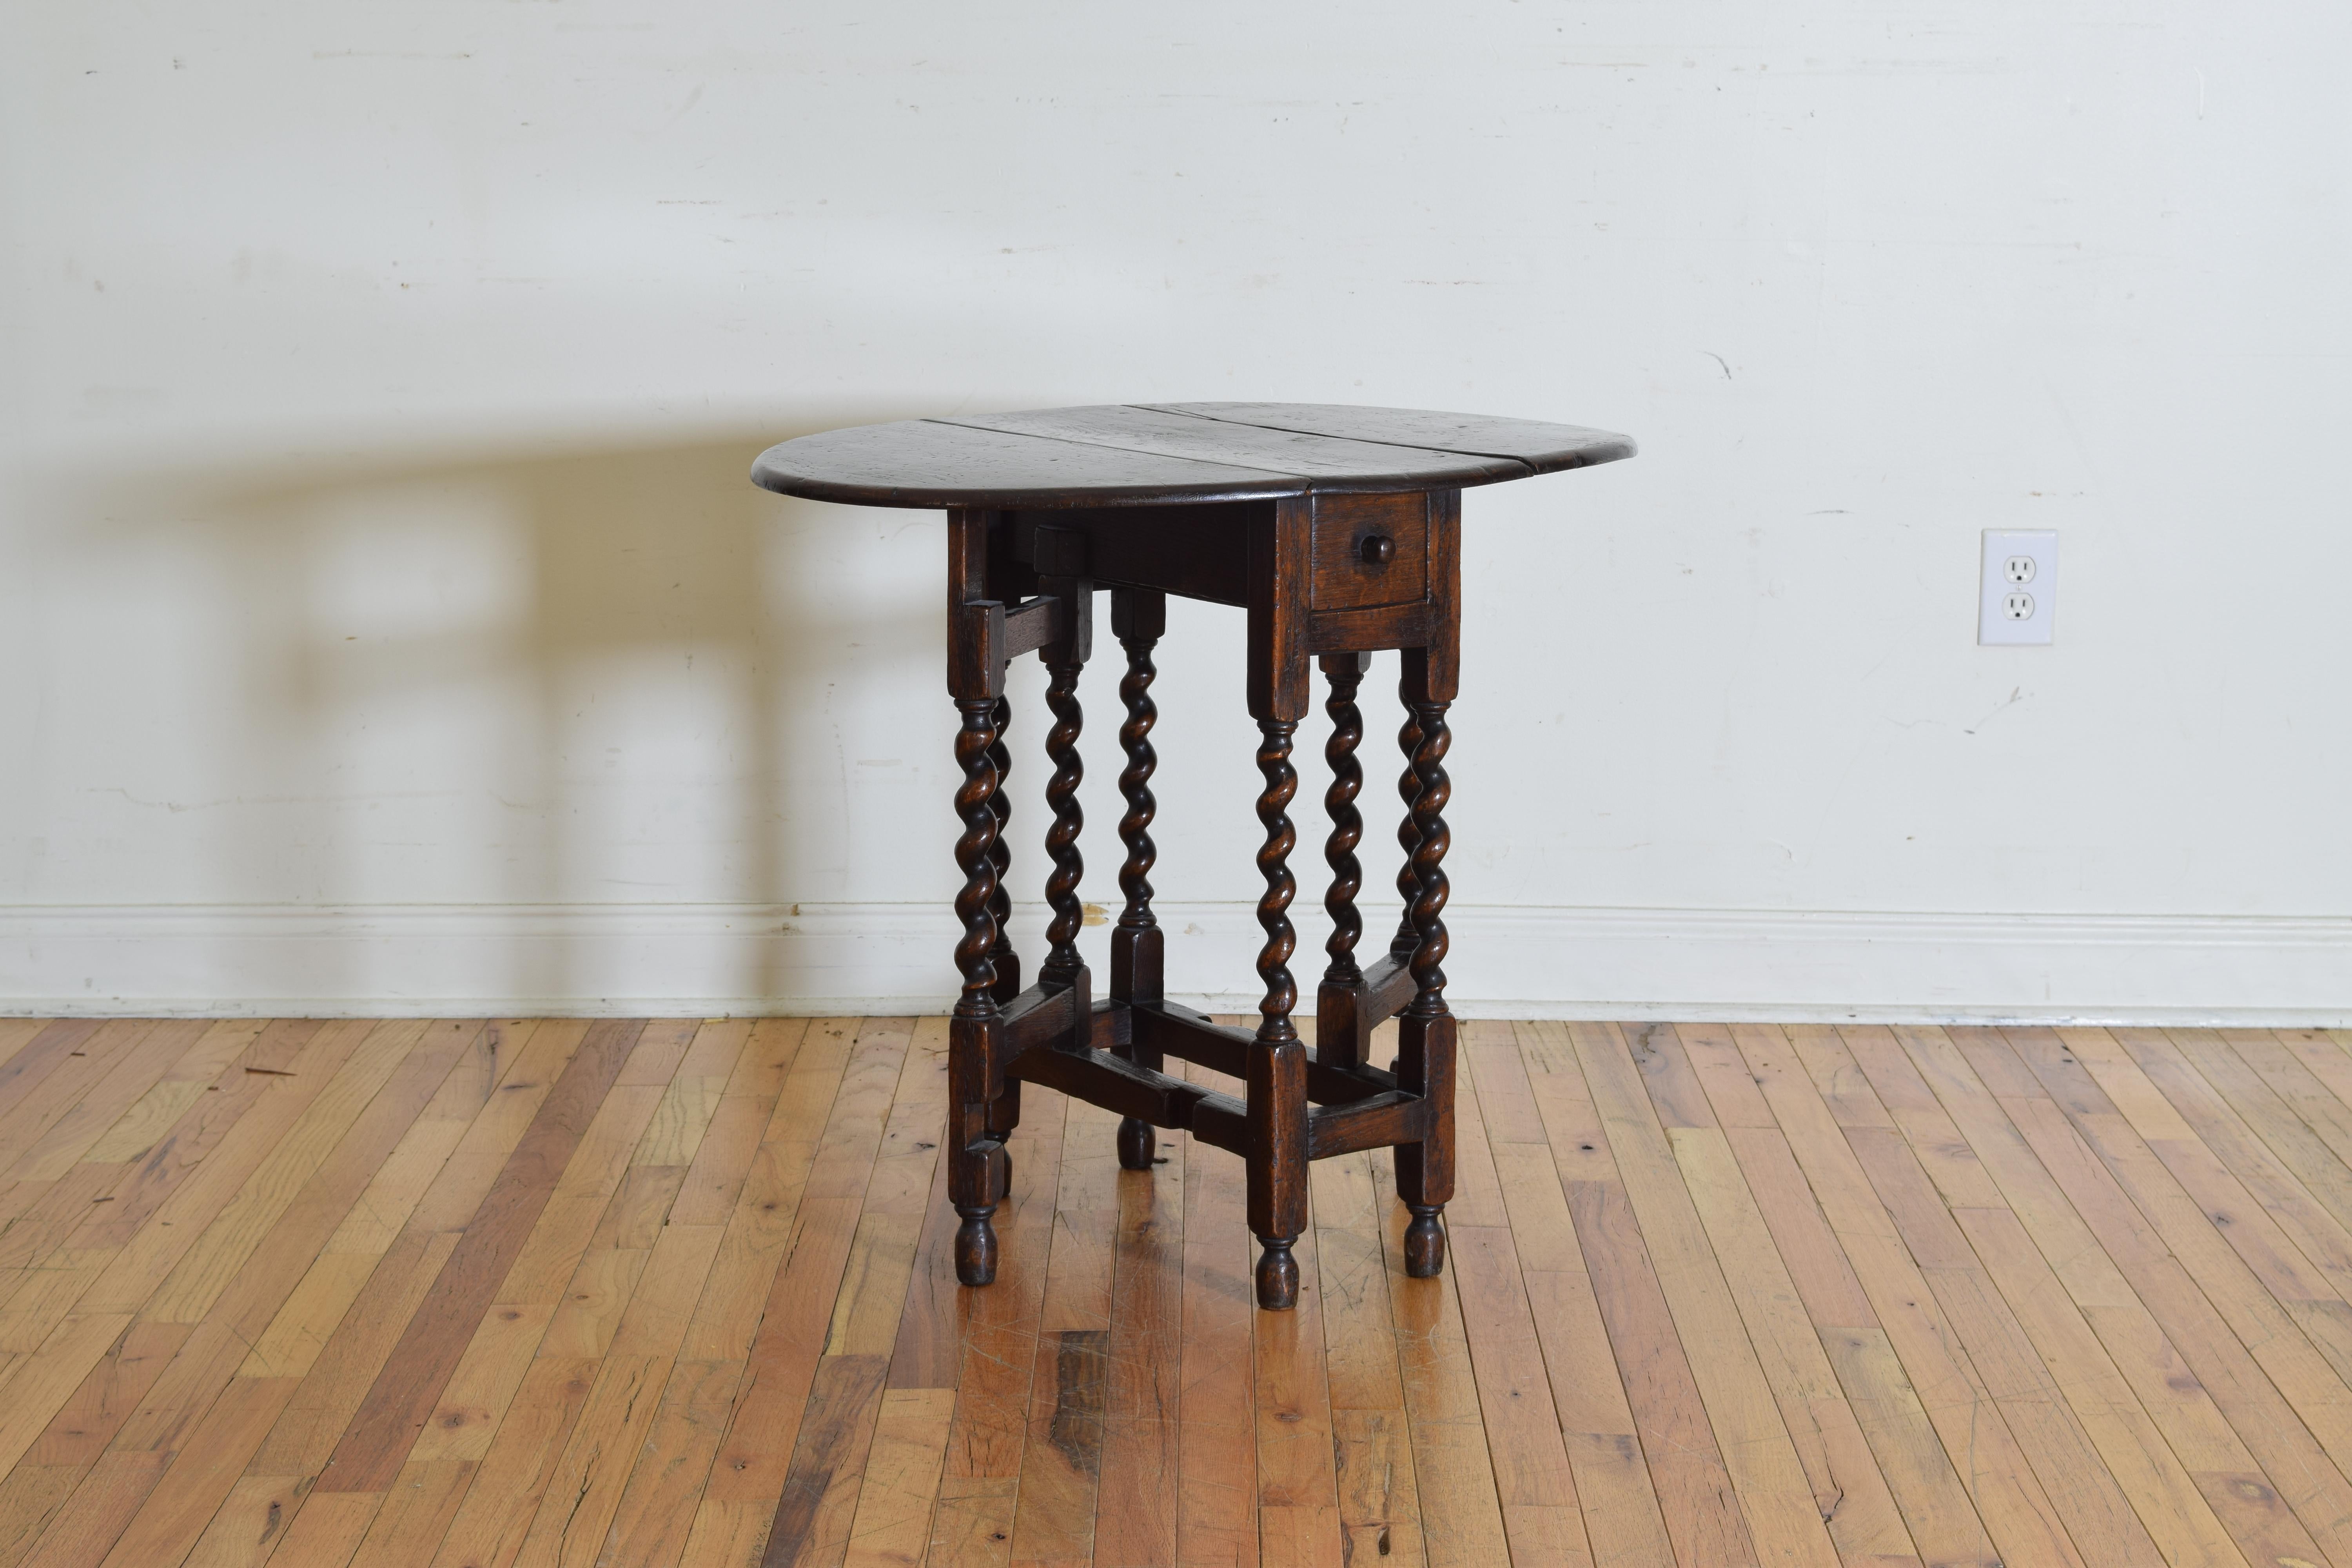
x: 1308, y: 479
x: 1367, y: 441
x: 1115, y: 446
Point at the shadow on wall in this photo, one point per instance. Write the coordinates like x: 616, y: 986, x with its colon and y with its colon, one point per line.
x: 563, y: 676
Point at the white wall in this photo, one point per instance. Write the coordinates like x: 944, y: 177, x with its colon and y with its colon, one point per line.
x: 386, y: 622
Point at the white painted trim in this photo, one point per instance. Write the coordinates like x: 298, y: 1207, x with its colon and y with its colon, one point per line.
x: 698, y: 959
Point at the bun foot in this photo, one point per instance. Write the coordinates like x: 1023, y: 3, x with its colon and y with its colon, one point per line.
x: 975, y: 1247
x: 1425, y: 1244
x: 1277, y: 1278
x: 1135, y: 1144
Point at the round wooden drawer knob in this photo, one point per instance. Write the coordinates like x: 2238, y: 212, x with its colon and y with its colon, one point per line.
x: 1378, y: 548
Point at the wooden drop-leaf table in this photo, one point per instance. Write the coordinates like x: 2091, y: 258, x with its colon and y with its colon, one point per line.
x: 1339, y: 528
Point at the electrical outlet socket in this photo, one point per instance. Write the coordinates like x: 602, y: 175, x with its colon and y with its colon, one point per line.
x: 2019, y: 599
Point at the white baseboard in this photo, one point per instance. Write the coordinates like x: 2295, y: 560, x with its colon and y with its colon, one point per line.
x: 708, y: 960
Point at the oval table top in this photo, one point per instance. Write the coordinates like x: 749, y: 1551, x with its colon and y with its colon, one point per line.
x: 1142, y: 453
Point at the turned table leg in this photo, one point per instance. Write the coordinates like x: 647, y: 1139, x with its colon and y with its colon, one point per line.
x: 1062, y: 964
x: 1277, y: 1062
x: 976, y: 1159
x: 1000, y: 905
x: 1408, y: 882
x: 1004, y: 1110
x: 1339, y: 1031
x: 983, y: 1106
x: 1138, y: 616
x: 1426, y: 1036
x: 1064, y: 659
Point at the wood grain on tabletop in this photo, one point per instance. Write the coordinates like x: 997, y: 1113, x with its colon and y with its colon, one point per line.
x: 1146, y: 454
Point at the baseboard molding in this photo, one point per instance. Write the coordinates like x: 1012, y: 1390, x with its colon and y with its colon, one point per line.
x: 710, y: 960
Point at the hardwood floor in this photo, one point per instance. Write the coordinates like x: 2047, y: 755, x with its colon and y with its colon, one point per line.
x: 468, y: 1295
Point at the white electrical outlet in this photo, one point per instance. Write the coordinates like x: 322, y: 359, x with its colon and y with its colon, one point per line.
x: 2019, y: 597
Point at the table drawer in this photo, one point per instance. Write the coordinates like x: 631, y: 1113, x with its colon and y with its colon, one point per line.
x: 1368, y: 550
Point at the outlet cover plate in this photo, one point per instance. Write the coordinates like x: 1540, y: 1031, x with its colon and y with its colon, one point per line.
x: 2018, y: 601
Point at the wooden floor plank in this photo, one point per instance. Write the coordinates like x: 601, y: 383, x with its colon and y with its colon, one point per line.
x: 81, y: 1533
x: 162, y: 1047
x: 1298, y: 1463
x: 2288, y: 1169
x: 1462, y: 1520
x: 1784, y: 1518
x: 582, y: 1488
x: 926, y: 1353
x: 356, y: 1306
x: 377, y: 1442
x: 1380, y: 1502
x: 514, y: 1473
x: 929, y: 1351
x: 2276, y: 1057
x: 205, y: 1362
x: 520, y: 1396
x: 2063, y: 1448
x: 657, y: 1513
x: 337, y: 1329
x: 1928, y: 1493
x: 1973, y: 1428
x: 681, y: 1292
x: 54, y: 1045
x: 1135, y: 1507
x: 2281, y: 1392
x: 144, y: 1122
x: 415, y: 1514
x: 605, y: 1206
x: 220, y: 1254
x: 398, y: 1235
x: 1542, y: 1514
x: 16, y: 1032
x: 873, y: 1302
x: 214, y: 1289
x: 1217, y: 1436
x: 2288, y: 1163
x: 2155, y: 1324
x: 654, y: 1511
x: 893, y: 1526
x: 1622, y: 1518
x: 29, y: 1118
x: 48, y: 1377
x: 1687, y: 1468
x: 2321, y: 1054
x: 1849, y: 1491
x: 249, y: 1526
x: 2142, y: 1444
x: 114, y: 1258
x: 280, y: 1063
x: 189, y: 1495
x: 83, y: 1427
x: 786, y: 1381
x: 832, y: 1437
x: 30, y: 1496
x: 1062, y: 1457
x: 2264, y: 1238
x: 988, y: 1436
x: 314, y: 1407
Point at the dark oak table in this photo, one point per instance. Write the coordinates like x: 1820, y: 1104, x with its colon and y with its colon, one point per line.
x: 1339, y: 530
